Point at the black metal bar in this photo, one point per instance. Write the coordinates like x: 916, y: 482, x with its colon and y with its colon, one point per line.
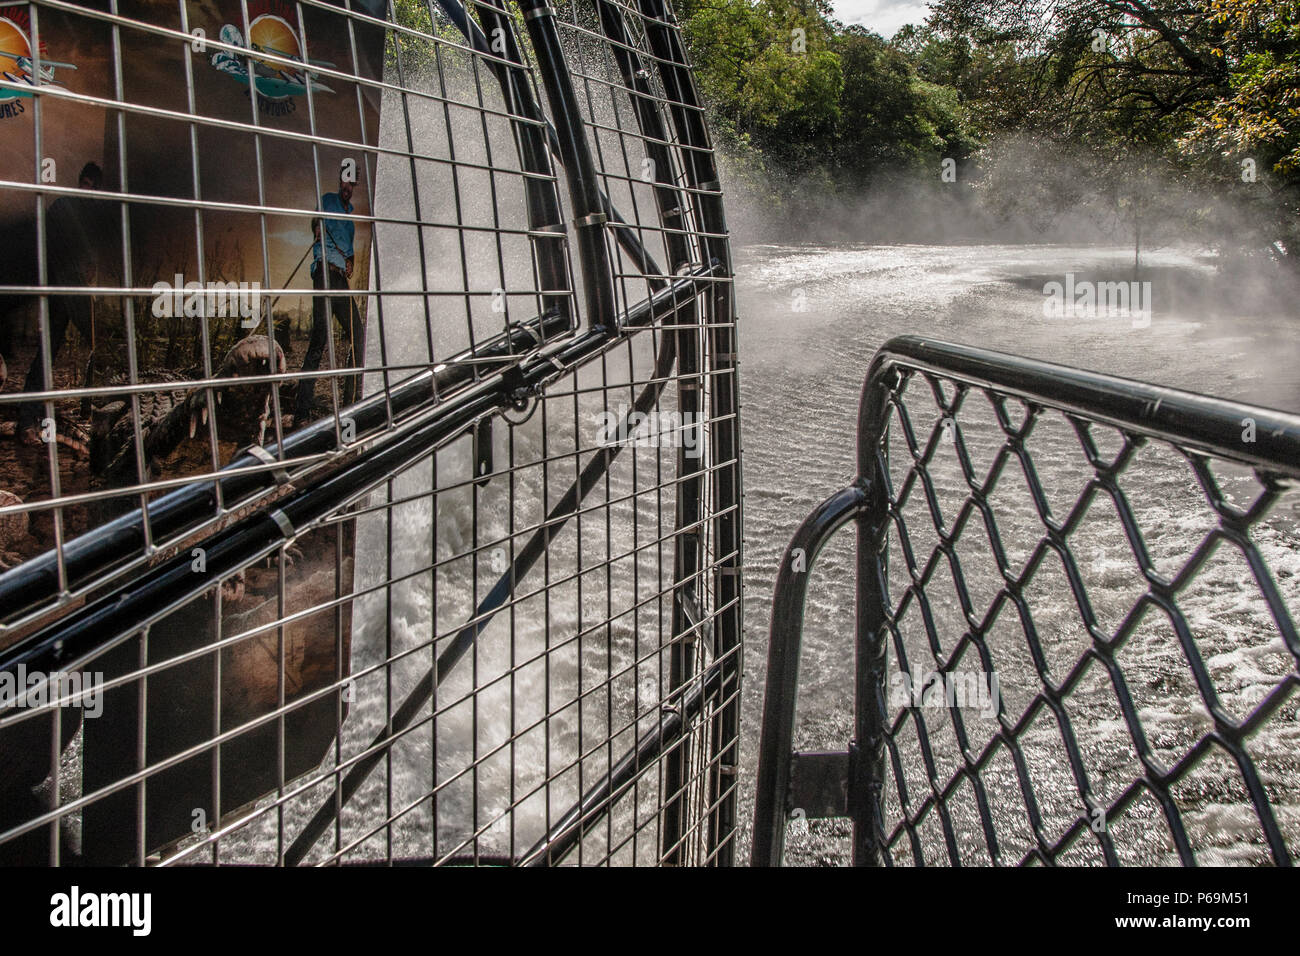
x: 34, y: 582
x: 689, y: 498
x: 668, y: 199
x: 701, y: 175
x: 1201, y: 422
x: 771, y: 800
x: 541, y: 194
x: 871, y: 716
x: 579, y: 169
x: 532, y: 150
x: 819, y: 784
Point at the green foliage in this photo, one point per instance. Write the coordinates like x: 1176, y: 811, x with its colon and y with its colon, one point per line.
x: 1083, y: 106
x: 1260, y: 114
x: 892, y: 120
x: 417, y: 49
x: 765, y: 67
x: 816, y: 98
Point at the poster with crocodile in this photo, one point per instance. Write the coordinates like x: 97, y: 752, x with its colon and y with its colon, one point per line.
x: 185, y: 189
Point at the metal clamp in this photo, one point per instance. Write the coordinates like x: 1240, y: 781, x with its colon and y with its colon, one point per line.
x: 543, y: 11
x: 549, y: 231
x: 591, y: 219
x: 266, y: 458
x: 282, y: 521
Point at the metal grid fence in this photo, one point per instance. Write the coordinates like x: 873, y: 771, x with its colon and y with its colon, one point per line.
x: 424, y: 549
x: 1077, y: 604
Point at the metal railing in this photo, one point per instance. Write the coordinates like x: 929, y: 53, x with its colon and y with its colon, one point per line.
x: 1076, y: 624
x: 472, y: 610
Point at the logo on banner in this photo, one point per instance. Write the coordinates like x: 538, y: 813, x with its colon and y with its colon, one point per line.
x: 276, y: 82
x: 17, y: 63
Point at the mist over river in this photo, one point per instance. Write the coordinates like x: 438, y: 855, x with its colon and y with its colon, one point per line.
x: 810, y: 319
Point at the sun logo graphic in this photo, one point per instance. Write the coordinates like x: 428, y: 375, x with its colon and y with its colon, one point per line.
x: 278, y: 76
x: 18, y: 70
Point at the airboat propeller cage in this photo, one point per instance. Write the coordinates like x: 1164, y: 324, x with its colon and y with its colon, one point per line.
x: 482, y: 602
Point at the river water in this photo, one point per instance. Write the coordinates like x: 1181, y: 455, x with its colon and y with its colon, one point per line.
x: 811, y: 318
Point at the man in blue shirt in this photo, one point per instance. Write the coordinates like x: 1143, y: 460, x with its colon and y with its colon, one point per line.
x: 331, y: 269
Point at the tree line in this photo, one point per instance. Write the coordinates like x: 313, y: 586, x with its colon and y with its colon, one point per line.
x: 1046, y: 107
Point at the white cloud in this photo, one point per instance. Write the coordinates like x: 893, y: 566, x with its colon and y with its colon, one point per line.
x: 881, y: 16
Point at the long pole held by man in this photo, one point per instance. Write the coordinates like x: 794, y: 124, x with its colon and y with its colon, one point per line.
x: 331, y: 271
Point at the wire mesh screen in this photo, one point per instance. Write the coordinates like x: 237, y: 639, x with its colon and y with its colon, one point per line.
x: 1076, y: 626
x: 1091, y: 640
x: 372, y: 487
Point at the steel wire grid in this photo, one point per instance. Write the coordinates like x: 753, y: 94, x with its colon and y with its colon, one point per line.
x: 1077, y: 645
x: 482, y: 605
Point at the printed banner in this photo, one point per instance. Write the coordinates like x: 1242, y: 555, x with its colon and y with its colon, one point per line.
x: 194, y: 156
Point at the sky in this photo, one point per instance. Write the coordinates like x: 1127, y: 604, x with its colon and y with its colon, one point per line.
x: 881, y: 16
